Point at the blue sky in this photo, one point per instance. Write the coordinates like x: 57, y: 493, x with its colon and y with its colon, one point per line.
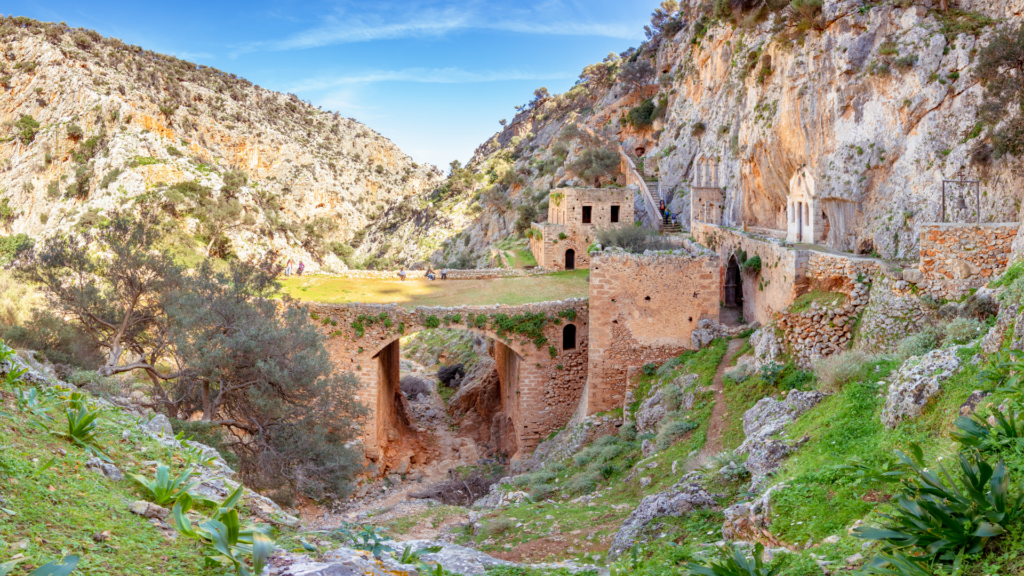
x: 434, y: 76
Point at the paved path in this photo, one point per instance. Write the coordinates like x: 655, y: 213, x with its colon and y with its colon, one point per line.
x: 713, y: 444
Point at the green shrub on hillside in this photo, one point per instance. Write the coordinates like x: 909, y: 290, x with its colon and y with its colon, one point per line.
x: 836, y: 371
x: 642, y: 115
x: 963, y: 330
x: 919, y: 344
x: 26, y: 127
x: 13, y: 246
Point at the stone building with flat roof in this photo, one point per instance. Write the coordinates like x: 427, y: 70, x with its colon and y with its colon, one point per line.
x: 574, y: 216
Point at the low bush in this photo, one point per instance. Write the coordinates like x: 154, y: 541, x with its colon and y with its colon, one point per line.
x: 919, y: 344
x: 963, y: 330
x: 412, y: 386
x: 837, y: 370
x: 641, y: 116
x: 672, y: 398
x: 672, y: 431
x: 583, y: 483
x: 633, y: 239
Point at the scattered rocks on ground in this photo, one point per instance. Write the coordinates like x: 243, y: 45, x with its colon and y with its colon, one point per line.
x: 685, y: 497
x: 160, y: 424
x: 916, y: 382
x: 148, y: 509
x: 751, y: 520
x: 107, y: 469
x: 762, y: 422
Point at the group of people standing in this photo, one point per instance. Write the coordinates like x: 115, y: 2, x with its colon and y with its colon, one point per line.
x: 298, y: 271
x: 429, y: 275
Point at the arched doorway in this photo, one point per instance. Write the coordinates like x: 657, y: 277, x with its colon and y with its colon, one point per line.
x: 570, y: 259
x: 569, y: 337
x: 733, y: 284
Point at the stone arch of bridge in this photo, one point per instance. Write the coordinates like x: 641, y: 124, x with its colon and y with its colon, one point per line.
x: 539, y: 386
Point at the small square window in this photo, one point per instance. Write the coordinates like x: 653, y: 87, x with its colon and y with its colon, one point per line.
x: 615, y: 214
x: 586, y: 214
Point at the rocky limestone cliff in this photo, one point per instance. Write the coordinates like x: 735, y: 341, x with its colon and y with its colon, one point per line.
x: 865, y: 107
x: 110, y: 126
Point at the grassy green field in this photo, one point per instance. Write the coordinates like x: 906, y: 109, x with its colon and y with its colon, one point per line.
x: 420, y: 292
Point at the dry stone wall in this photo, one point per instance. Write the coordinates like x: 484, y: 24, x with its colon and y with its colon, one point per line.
x: 643, y: 309
x: 893, y: 313
x: 958, y: 257
x: 821, y: 332
x: 839, y: 273
x: 453, y: 274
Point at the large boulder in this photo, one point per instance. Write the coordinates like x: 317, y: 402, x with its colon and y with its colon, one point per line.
x: 916, y: 382
x: 707, y: 330
x: 683, y: 498
x: 763, y: 422
x: 160, y: 425
x: 767, y: 345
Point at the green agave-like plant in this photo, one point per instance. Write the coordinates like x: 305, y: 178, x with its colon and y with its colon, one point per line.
x: 938, y: 515
x: 61, y: 567
x: 975, y: 431
x: 1004, y: 372
x: 735, y: 563
x: 897, y: 564
x: 81, y: 429
x: 231, y: 542
x: 164, y: 490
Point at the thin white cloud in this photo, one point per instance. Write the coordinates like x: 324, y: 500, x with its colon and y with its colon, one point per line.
x: 343, y: 28
x: 422, y: 75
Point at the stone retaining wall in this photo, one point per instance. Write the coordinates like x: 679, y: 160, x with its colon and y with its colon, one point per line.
x: 821, y: 332
x: 893, y: 313
x: 838, y: 273
x: 470, y: 274
x: 957, y: 257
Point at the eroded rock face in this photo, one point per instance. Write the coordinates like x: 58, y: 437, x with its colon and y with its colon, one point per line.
x: 683, y: 498
x: 750, y: 521
x: 160, y: 120
x: 763, y: 422
x: 767, y: 345
x: 916, y: 382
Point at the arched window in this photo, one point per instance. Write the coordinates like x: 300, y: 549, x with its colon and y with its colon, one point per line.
x: 569, y: 337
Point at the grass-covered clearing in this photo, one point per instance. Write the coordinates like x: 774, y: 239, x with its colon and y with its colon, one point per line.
x: 418, y: 291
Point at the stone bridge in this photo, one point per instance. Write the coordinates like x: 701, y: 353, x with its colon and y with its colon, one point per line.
x: 540, y: 353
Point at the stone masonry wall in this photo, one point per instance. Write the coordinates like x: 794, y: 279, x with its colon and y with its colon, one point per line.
x: 781, y: 269
x: 548, y: 386
x: 643, y: 309
x: 956, y: 257
x: 549, y: 248
x: 453, y: 274
x: 893, y: 313
x: 821, y: 332
x: 838, y: 273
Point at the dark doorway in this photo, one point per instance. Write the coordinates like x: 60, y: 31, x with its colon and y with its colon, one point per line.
x: 570, y: 259
x: 569, y: 337
x: 615, y: 214
x: 586, y: 214
x: 733, y: 284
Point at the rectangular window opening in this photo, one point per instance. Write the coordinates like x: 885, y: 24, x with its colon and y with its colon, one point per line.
x: 586, y: 214
x: 615, y: 214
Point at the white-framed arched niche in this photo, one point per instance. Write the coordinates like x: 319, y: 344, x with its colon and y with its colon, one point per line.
x: 803, y: 211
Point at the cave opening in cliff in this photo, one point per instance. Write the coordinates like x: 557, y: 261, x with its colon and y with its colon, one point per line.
x: 446, y: 398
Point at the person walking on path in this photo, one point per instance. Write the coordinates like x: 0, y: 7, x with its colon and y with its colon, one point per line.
x: 401, y: 274
x: 288, y: 269
x: 302, y: 266
x: 444, y: 274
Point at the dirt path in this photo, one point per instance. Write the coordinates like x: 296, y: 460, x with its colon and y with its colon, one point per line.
x: 713, y: 444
